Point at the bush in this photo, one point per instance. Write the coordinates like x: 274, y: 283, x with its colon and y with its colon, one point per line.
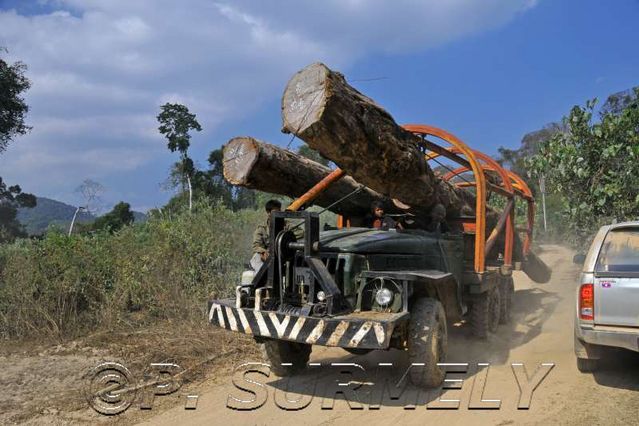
x: 165, y: 268
x: 593, y: 166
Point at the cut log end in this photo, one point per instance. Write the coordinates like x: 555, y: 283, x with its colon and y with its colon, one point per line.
x: 239, y: 156
x: 304, y: 98
x: 536, y: 269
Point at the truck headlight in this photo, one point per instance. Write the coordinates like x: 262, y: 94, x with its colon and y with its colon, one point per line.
x: 321, y: 296
x: 383, y: 297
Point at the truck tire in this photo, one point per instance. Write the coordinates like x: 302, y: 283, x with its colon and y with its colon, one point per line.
x: 427, y: 342
x: 278, y: 352
x: 506, y: 291
x: 484, y: 313
x: 587, y: 365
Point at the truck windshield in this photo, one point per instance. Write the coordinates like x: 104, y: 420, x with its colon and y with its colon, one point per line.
x: 620, y: 251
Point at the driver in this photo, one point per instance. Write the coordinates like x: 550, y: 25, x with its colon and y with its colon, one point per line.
x: 379, y: 219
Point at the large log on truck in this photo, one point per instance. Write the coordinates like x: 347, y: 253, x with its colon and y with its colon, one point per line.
x: 254, y: 164
x: 358, y: 135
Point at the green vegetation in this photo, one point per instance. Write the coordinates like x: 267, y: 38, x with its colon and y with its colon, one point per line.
x: 120, y: 216
x: 589, y: 167
x: 12, y: 198
x: 594, y: 166
x: 163, y: 269
x: 13, y: 111
x: 13, y: 84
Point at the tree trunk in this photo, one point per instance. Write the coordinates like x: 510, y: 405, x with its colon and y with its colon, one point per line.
x: 254, y: 164
x: 188, y: 181
x: 73, y: 220
x: 358, y: 135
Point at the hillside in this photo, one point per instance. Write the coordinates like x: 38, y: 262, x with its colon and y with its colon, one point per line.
x: 51, y: 212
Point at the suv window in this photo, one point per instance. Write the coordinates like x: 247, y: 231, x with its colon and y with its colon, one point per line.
x: 620, y: 251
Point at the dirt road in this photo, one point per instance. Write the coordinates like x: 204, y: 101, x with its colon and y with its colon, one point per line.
x: 540, y: 333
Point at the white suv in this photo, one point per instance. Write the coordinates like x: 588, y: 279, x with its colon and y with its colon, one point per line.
x: 608, y: 294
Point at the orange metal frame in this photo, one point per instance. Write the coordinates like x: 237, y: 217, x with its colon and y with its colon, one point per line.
x: 478, y: 163
x: 316, y: 190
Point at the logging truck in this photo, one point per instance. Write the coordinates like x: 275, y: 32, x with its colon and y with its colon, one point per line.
x: 364, y: 289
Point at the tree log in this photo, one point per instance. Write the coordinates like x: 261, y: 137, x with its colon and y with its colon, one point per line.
x: 536, y: 269
x: 254, y: 164
x: 358, y: 135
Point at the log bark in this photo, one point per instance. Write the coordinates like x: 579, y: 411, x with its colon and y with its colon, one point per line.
x: 358, y: 135
x: 254, y: 164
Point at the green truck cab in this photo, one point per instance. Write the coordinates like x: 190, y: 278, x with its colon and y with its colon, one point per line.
x: 362, y: 289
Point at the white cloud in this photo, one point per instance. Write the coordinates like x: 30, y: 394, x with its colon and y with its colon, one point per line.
x: 100, y: 69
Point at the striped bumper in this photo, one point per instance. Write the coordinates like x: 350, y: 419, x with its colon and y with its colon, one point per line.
x: 369, y: 330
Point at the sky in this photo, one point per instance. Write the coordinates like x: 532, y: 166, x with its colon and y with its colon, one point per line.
x: 488, y: 71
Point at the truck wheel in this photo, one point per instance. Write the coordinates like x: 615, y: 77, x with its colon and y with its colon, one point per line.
x: 587, y: 365
x: 484, y: 313
x: 278, y: 352
x: 506, y: 291
x: 427, y: 342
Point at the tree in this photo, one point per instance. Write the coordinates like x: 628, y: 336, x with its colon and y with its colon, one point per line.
x: 595, y: 166
x: 12, y: 197
x: 120, y: 216
x: 212, y: 183
x: 91, y: 193
x: 13, y: 108
x: 617, y: 102
x: 175, y: 124
x: 515, y: 159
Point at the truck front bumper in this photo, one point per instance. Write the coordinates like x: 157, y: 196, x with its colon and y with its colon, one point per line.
x: 365, y: 330
x: 619, y: 337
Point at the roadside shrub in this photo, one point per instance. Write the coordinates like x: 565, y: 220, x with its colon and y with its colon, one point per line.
x: 162, y: 269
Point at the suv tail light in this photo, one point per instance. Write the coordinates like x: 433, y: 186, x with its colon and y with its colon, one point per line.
x: 587, y: 302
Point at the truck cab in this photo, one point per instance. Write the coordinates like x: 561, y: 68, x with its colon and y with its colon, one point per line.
x: 366, y: 289
x: 359, y: 289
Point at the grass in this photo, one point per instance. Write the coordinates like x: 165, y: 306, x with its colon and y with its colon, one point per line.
x: 160, y: 271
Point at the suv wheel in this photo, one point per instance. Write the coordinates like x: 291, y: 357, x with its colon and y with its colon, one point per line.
x: 427, y: 342
x: 294, y: 355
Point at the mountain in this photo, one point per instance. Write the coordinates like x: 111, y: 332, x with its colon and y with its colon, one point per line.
x: 139, y: 217
x: 51, y: 212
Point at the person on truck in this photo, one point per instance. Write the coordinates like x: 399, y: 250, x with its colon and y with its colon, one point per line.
x: 380, y: 220
x: 438, y: 219
x: 261, y: 237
